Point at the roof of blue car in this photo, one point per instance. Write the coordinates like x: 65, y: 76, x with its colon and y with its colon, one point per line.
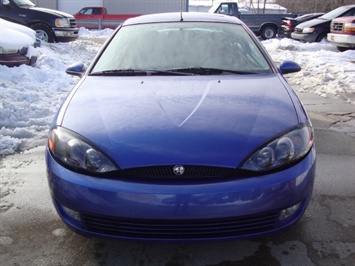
x: 186, y: 16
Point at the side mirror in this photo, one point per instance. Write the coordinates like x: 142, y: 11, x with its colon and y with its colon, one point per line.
x: 5, y: 2
x: 77, y: 69
x: 289, y: 67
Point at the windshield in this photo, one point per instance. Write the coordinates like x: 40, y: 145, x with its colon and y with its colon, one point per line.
x: 334, y: 13
x: 24, y: 3
x: 304, y: 17
x: 182, y: 45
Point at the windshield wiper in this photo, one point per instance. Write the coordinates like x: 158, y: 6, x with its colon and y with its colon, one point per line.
x: 168, y: 73
x: 211, y: 71
x: 139, y: 72
x: 120, y: 72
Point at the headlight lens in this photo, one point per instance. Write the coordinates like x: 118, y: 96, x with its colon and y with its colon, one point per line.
x: 308, y: 30
x: 282, y: 151
x: 75, y: 152
x: 62, y: 22
x: 349, y: 27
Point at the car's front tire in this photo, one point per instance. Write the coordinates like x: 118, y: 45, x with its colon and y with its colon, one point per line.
x: 342, y: 49
x: 321, y: 37
x: 43, y: 32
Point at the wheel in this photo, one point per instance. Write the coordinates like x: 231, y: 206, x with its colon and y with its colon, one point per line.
x: 43, y: 32
x: 268, y: 33
x: 322, y: 37
x: 342, y: 49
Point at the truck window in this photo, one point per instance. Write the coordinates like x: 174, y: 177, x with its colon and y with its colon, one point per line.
x: 24, y: 3
x: 96, y: 11
x: 86, y: 11
x: 227, y: 9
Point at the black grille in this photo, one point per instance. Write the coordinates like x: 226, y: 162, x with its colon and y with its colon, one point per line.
x: 298, y: 30
x: 168, y: 171
x: 181, y: 229
x: 72, y: 23
x: 338, y: 27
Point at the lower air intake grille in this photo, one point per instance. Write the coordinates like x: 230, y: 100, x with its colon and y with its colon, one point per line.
x: 180, y: 229
x: 189, y: 170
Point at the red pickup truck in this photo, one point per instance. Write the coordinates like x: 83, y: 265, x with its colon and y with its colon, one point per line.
x: 96, y: 17
x: 342, y: 33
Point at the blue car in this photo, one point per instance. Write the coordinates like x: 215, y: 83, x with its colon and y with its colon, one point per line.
x: 181, y: 129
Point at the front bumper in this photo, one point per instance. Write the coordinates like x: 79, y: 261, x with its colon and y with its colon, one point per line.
x: 341, y: 40
x: 304, y: 37
x: 180, y: 211
x: 284, y: 32
x: 66, y: 34
x: 14, y: 60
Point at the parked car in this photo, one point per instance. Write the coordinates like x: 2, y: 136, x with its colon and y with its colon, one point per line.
x: 97, y: 17
x: 342, y: 33
x: 181, y: 129
x: 317, y: 29
x: 50, y: 25
x: 288, y: 24
x: 17, y: 44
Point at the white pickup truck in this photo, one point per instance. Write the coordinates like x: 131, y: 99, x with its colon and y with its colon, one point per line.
x: 342, y: 33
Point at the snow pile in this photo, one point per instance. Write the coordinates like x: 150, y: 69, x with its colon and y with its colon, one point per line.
x: 85, y: 33
x: 30, y: 96
x: 325, y: 71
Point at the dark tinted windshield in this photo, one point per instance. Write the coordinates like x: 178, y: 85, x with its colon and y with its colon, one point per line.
x: 308, y: 16
x: 340, y: 11
x: 181, y: 45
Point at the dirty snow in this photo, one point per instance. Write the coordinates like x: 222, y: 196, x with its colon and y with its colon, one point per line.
x: 30, y: 96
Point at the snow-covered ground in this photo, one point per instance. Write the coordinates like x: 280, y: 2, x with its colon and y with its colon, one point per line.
x: 30, y: 96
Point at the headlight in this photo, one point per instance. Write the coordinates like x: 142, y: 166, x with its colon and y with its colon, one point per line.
x: 281, y: 151
x: 62, y: 22
x: 73, y: 151
x: 308, y: 30
x: 349, y: 27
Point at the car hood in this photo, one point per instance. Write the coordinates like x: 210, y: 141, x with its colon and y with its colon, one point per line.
x: 52, y: 12
x: 314, y: 22
x: 197, y: 120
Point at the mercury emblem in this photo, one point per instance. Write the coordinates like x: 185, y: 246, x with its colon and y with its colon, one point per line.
x: 178, y: 170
